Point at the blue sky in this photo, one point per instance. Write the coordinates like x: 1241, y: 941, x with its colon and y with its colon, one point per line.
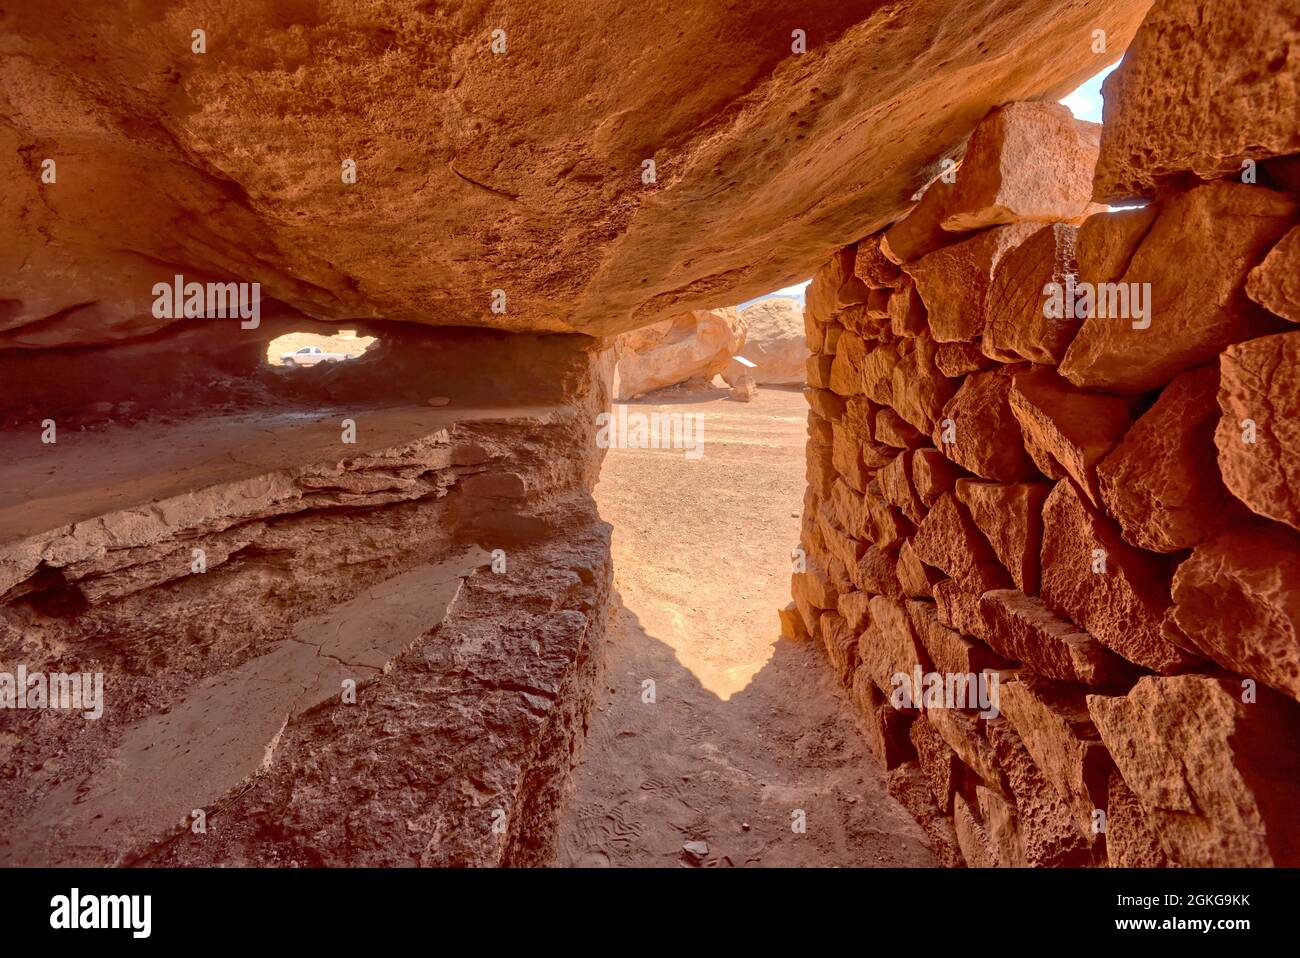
x: 1084, y: 103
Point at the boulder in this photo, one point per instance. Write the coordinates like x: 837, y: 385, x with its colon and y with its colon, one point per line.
x: 1275, y: 283
x: 1011, y: 518
x: 1067, y: 431
x: 1259, y: 393
x: 774, y: 342
x: 1237, y: 597
x: 986, y: 436
x: 1205, y: 85
x: 1219, y: 777
x: 1025, y: 161
x: 1162, y: 483
x: 695, y: 345
x: 1118, y: 594
x: 1188, y: 276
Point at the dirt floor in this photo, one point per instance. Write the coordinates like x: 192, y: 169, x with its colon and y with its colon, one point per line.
x: 748, y: 735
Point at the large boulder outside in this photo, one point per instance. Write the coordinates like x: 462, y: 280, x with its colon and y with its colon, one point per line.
x: 694, y: 345
x: 774, y: 342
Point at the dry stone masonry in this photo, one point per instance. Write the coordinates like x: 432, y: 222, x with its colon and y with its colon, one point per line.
x: 1052, y: 445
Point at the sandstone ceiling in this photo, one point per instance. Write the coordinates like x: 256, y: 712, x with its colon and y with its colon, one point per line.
x: 477, y: 170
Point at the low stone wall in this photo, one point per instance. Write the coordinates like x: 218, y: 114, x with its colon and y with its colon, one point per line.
x: 1051, y: 448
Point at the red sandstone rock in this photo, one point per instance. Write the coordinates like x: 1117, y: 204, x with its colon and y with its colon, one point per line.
x: 1025, y: 161
x: 893, y: 430
x: 820, y: 297
x: 906, y: 311
x: 843, y: 547
x: 855, y: 610
x: 695, y: 345
x: 818, y: 468
x: 873, y: 267
x: 886, y: 526
x: 914, y: 576
x: 1016, y: 322
x: 1131, y: 842
x: 917, y: 389
x: 817, y: 371
x: 1275, y: 283
x: 908, y: 786
x: 920, y: 232
x: 953, y: 282
x: 1259, y: 393
x: 1238, y: 599
x: 1023, y: 629
x: 932, y: 475
x: 875, y: 573
x: 937, y: 760
x: 1055, y: 728
x: 846, y: 456
x: 1205, y: 85
x: 1217, y: 776
x: 1003, y: 829
x: 963, y: 735
x: 896, y: 486
x: 958, y: 609
x: 1195, y: 258
x: 955, y: 360
x: 1068, y: 432
x: 948, y: 540
x: 1011, y: 518
x: 885, y: 727
x: 1162, y: 483
x: 825, y: 403
x: 972, y: 837
x: 813, y: 594
x: 987, y: 437
x: 846, y: 368
x: 878, y: 373
x: 1123, y: 607
x: 887, y: 648
x: 946, y: 648
x: 1048, y: 831
x: 819, y: 430
x: 841, y: 645
x: 792, y: 625
x: 1106, y: 242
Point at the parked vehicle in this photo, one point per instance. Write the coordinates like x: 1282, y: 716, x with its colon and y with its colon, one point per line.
x: 310, y: 356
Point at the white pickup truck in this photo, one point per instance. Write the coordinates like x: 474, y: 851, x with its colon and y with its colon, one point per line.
x: 310, y: 356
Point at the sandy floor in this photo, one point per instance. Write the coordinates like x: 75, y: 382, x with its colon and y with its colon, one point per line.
x: 746, y: 730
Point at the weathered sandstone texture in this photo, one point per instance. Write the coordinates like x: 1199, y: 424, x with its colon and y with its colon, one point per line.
x: 696, y: 345
x: 525, y: 169
x: 774, y: 342
x: 1104, y: 512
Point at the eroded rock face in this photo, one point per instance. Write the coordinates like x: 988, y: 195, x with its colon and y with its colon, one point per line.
x: 1275, y: 283
x: 1195, y: 259
x: 1205, y: 85
x: 696, y: 345
x: 1216, y: 775
x: 774, y: 342
x: 1259, y: 393
x: 1236, y: 598
x: 1161, y: 483
x: 475, y: 171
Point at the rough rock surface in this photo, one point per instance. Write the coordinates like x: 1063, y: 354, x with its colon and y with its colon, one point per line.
x: 696, y: 345
x: 1162, y: 483
x: 1115, y: 592
x: 1205, y: 85
x: 1067, y: 432
x: 774, y: 343
x: 1195, y: 258
x: 1011, y: 518
x: 985, y: 435
x: 1216, y: 775
x: 1235, y: 597
x: 476, y: 171
x: 1025, y: 161
x: 1259, y: 393
x: 1275, y: 283
x: 1016, y: 326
